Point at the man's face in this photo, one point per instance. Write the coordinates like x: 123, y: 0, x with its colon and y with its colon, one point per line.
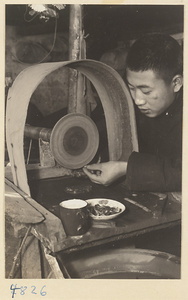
x: 150, y: 93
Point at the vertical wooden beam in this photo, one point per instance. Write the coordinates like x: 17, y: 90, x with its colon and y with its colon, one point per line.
x: 77, y: 100
x: 75, y: 31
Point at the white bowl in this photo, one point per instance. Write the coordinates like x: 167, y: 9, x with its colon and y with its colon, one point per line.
x: 106, y: 202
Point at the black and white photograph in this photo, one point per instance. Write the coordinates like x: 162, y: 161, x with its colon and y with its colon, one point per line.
x: 93, y: 147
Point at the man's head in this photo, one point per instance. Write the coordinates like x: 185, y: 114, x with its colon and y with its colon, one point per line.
x: 154, y: 72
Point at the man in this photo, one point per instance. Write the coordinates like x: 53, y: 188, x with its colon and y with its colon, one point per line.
x: 154, y: 75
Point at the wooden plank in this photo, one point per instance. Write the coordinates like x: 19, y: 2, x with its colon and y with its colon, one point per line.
x: 12, y: 244
x: 50, y: 232
x: 31, y: 266
x: 51, y: 266
x: 18, y: 210
x: 123, y: 236
x: 36, y: 171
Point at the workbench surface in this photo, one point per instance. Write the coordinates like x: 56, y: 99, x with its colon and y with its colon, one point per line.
x: 164, y: 211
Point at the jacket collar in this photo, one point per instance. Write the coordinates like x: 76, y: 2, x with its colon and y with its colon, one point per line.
x: 176, y: 105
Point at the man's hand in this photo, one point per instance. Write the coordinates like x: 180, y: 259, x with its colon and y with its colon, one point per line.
x: 106, y: 173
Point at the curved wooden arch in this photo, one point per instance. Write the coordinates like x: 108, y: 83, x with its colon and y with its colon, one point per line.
x: 114, y: 96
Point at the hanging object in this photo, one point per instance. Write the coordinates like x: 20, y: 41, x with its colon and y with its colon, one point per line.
x: 45, y: 11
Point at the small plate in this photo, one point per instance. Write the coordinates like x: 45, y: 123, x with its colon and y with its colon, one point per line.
x: 106, y: 202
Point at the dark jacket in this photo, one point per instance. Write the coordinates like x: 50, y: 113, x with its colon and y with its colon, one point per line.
x: 158, y: 165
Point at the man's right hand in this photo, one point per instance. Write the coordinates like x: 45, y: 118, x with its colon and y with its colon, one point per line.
x: 106, y: 173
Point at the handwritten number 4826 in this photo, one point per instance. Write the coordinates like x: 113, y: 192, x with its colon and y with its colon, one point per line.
x: 23, y: 289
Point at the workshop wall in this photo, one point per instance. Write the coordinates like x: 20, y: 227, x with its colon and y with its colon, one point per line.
x: 108, y: 29
x: 23, y: 51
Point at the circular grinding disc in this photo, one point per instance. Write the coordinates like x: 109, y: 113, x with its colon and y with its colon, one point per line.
x: 74, y: 141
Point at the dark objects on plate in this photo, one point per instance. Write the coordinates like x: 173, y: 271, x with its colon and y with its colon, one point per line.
x: 103, y: 210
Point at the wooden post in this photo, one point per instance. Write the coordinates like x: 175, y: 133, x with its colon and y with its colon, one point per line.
x: 77, y: 99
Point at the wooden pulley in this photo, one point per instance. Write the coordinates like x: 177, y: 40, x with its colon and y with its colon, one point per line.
x: 74, y: 140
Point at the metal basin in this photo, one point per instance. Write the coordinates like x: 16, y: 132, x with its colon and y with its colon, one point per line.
x: 123, y: 264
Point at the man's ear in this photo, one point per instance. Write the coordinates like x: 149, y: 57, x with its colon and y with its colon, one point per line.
x: 177, y: 82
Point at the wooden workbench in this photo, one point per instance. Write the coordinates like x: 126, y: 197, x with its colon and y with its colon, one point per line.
x: 41, y: 212
x: 133, y: 222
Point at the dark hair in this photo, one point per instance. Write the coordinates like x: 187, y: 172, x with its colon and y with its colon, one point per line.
x: 157, y: 52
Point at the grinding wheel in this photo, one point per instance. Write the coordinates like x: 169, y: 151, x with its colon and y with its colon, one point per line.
x: 74, y: 141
